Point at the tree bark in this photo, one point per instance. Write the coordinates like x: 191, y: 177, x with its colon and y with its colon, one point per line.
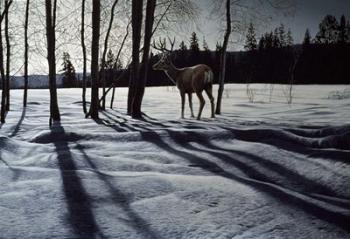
x: 51, y: 57
x: 82, y: 39
x: 223, y: 57
x: 3, y: 81
x: 26, y: 48
x: 141, y: 83
x: 94, y: 107
x: 136, y: 22
x: 8, y: 57
x: 2, y: 70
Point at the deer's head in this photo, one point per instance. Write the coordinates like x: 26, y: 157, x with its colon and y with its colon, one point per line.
x: 163, y: 64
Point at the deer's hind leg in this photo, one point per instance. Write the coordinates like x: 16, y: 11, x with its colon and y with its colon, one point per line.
x: 209, y: 90
x: 190, y: 103
x: 201, y: 104
x: 183, y: 98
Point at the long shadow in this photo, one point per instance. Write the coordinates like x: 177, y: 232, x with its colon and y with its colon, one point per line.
x: 291, y: 198
x: 113, y: 126
x: 137, y: 222
x: 304, y: 185
x: 81, y: 216
x: 294, y: 147
x: 18, y: 125
x: 227, y: 154
x: 257, y: 180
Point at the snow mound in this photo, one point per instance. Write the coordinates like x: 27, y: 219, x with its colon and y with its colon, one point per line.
x: 259, y: 170
x: 338, y: 138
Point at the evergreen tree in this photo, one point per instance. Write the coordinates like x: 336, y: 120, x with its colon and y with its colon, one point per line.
x: 183, y: 46
x: 282, y: 36
x: 205, y: 45
x: 109, y: 67
x: 118, y: 65
x: 328, y: 31
x: 343, y: 31
x: 268, y: 40
x: 69, y: 78
x: 110, y: 60
x: 289, y: 38
x: 250, y: 43
x: 262, y: 43
x: 307, y: 38
x: 218, y: 47
x: 194, y: 45
x: 275, y: 39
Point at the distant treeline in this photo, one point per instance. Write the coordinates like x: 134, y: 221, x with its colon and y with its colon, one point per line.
x: 273, y: 58
x: 315, y: 64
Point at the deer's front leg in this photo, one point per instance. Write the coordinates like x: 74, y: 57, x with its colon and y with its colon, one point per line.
x: 190, y: 103
x: 182, y: 105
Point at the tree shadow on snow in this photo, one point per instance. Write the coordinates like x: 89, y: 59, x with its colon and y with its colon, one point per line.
x: 18, y: 125
x: 122, y: 200
x: 80, y: 214
x: 297, y: 197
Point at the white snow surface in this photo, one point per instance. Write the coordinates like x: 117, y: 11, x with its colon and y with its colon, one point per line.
x: 260, y: 170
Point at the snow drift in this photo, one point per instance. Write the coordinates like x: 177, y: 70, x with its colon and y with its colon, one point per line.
x: 261, y: 170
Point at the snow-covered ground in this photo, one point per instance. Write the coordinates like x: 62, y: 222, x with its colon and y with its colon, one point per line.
x: 261, y: 170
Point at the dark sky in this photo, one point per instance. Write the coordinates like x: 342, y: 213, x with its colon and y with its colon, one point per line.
x: 309, y: 14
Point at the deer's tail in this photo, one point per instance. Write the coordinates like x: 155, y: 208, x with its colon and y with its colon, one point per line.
x: 209, y: 78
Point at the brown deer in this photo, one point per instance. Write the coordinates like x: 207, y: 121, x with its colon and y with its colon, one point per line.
x: 189, y: 80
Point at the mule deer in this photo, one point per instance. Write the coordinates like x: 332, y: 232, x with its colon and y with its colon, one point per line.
x: 189, y: 80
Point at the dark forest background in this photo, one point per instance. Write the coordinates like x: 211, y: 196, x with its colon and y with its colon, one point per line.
x: 274, y: 58
x: 271, y: 58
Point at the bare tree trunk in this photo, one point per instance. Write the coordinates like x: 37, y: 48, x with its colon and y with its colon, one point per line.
x: 8, y: 57
x: 116, y: 59
x: 103, y: 60
x: 223, y: 57
x: 51, y: 57
x: 136, y: 22
x: 2, y: 70
x: 141, y: 83
x: 94, y: 107
x: 26, y: 46
x: 3, y: 85
x: 112, y: 99
x: 82, y: 38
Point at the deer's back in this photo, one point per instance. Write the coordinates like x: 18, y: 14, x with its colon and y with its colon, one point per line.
x: 193, y: 79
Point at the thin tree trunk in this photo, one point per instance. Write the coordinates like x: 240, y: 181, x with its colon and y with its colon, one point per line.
x: 112, y: 99
x: 2, y: 70
x: 116, y: 59
x: 3, y: 86
x: 26, y: 47
x: 141, y: 83
x: 51, y: 57
x: 94, y: 107
x: 136, y: 22
x: 223, y: 57
x: 82, y: 38
x: 8, y: 57
x: 103, y: 60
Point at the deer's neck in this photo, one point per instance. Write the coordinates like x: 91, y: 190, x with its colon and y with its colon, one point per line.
x: 172, y: 73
